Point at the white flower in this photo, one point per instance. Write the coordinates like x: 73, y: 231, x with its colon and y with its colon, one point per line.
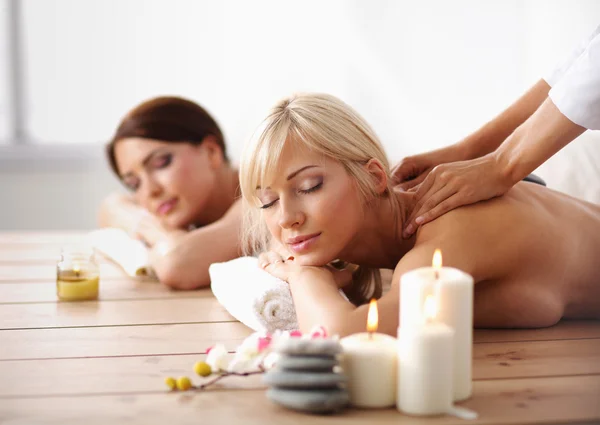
x: 241, y: 363
x: 217, y: 358
x: 271, y: 360
x: 249, y: 347
x: 250, y: 353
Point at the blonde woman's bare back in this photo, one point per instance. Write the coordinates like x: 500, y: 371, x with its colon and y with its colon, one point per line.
x: 532, y: 252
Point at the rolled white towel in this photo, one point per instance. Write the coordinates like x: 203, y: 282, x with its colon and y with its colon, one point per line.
x: 129, y: 253
x: 252, y: 295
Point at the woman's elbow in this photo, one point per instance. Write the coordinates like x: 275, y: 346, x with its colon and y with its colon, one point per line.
x: 344, y: 324
x: 176, y: 277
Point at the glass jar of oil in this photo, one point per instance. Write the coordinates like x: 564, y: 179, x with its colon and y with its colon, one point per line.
x: 77, y: 274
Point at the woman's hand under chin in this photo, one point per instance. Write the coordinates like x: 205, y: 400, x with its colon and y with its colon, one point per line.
x: 151, y: 230
x: 289, y: 270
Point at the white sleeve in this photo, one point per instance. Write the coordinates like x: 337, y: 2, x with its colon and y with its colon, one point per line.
x: 577, y: 93
x: 563, y: 66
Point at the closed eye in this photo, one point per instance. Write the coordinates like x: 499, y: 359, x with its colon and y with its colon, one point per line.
x: 269, y: 205
x: 303, y: 191
x: 131, y: 184
x: 312, y: 189
x: 162, y: 161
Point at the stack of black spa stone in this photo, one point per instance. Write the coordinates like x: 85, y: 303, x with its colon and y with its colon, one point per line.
x: 304, y: 377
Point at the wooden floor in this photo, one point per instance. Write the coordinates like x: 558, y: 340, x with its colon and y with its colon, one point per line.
x: 104, y: 361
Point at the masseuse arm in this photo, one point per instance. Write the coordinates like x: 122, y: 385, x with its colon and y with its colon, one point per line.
x: 489, y: 137
x: 453, y: 185
x: 532, y: 144
x: 483, y: 141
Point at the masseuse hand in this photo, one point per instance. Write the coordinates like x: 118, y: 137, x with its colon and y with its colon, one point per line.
x: 455, y: 184
x: 288, y: 269
x: 412, y: 170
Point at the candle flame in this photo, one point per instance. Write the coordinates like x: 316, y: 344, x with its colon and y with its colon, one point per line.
x: 76, y: 268
x: 430, y: 308
x: 437, y: 259
x: 372, y: 316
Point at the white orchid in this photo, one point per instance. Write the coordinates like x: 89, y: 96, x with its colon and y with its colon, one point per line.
x: 270, y: 360
x: 217, y: 358
x: 256, y: 351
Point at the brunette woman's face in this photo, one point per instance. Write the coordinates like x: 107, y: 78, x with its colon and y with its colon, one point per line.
x: 173, y: 181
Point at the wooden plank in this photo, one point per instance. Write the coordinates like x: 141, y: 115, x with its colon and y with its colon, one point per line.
x: 123, y: 289
x: 30, y: 246
x: 119, y: 340
x: 113, y: 375
x: 33, y: 256
x: 566, y: 329
x: 536, y: 358
x: 43, y: 272
x: 144, y: 373
x: 110, y: 313
x: 63, y: 237
x: 529, y: 401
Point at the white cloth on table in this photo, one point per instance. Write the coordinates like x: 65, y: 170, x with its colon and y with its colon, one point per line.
x: 128, y: 253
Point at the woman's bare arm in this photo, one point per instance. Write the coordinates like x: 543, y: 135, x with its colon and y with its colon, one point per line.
x: 181, y: 261
x: 318, y: 301
x: 492, y: 134
x: 179, y: 258
x: 533, y: 143
x: 119, y: 210
x: 413, y: 170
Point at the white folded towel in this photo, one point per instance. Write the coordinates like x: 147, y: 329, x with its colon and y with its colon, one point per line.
x: 129, y: 253
x: 252, y: 295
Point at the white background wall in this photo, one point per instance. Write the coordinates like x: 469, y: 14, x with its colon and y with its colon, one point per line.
x: 424, y: 73
x: 4, y: 94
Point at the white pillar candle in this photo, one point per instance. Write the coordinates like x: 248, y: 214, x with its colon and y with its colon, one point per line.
x: 453, y: 290
x: 425, y: 369
x: 369, y: 361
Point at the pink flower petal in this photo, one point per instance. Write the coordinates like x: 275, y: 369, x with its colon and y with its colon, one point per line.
x: 263, y: 343
x: 319, y: 332
x: 295, y: 334
x: 209, y: 348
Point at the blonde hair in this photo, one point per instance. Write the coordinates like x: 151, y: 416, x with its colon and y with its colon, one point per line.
x: 326, y: 126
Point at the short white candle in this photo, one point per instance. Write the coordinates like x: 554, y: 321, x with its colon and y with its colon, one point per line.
x: 425, y: 368
x: 369, y: 361
x: 453, y: 290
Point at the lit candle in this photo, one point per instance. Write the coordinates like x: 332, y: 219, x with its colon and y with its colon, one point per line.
x: 453, y: 290
x: 425, y: 365
x: 77, y: 275
x: 369, y: 361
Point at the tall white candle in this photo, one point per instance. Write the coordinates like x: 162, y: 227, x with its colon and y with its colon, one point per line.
x: 369, y: 361
x: 425, y: 368
x: 453, y: 290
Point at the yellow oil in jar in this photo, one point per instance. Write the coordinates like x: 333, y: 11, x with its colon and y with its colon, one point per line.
x: 75, y: 285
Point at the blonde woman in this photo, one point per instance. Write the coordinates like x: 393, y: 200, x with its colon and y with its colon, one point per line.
x: 316, y: 182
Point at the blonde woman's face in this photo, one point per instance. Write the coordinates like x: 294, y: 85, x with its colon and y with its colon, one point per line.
x: 311, y: 206
x: 173, y: 181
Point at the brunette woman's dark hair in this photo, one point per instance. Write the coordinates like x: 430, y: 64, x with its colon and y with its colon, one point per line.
x: 168, y: 119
